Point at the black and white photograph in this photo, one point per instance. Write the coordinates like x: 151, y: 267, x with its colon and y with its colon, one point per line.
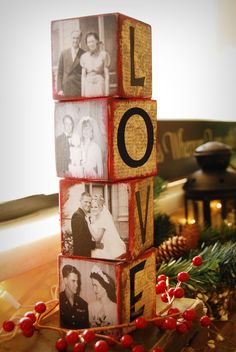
x: 87, y: 294
x: 81, y: 139
x: 84, y: 56
x: 94, y: 219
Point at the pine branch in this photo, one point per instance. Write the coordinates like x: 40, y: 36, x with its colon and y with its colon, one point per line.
x: 217, y: 271
x: 159, y: 186
x: 224, y: 233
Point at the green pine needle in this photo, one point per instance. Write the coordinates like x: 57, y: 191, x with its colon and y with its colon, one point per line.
x: 217, y: 271
x: 223, y: 233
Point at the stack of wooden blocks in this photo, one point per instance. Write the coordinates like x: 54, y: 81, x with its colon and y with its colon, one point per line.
x: 105, y: 133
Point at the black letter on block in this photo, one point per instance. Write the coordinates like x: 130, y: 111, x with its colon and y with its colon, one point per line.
x: 138, y: 201
x: 133, y: 80
x: 134, y: 299
x: 121, y: 137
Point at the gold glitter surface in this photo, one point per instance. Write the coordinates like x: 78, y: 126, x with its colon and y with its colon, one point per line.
x: 142, y: 188
x: 142, y: 57
x: 136, y: 138
x: 144, y: 284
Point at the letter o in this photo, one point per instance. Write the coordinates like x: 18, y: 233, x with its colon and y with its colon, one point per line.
x: 121, y: 137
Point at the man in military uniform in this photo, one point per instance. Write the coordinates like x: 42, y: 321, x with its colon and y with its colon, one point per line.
x: 73, y: 309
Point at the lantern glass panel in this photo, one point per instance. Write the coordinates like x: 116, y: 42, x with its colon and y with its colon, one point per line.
x: 230, y: 213
x: 216, y: 212
x: 194, y: 212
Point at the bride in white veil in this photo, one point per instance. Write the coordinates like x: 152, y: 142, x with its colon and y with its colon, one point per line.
x: 86, y: 157
x: 103, y: 229
x: 75, y: 166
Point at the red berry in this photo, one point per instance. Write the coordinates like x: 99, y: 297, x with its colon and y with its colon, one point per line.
x: 30, y: 315
x: 61, y: 344
x: 205, y: 321
x: 157, y: 349
x: 25, y: 324
x: 182, y: 328
x: 169, y: 323
x: 179, y: 292
x: 101, y: 346
x: 79, y: 347
x: 161, y: 277
x: 138, y: 348
x: 197, y: 261
x: 8, y: 325
x: 160, y: 287
x: 40, y: 307
x: 171, y: 292
x: 28, y: 333
x: 140, y: 323
x: 71, y: 337
x: 164, y: 297
x: 173, y: 310
x: 189, y: 314
x: 126, y: 341
x: 88, y: 335
x: 183, y: 276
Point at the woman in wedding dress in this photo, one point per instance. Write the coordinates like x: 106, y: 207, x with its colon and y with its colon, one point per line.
x: 86, y: 155
x: 103, y: 310
x: 103, y: 229
x: 75, y: 166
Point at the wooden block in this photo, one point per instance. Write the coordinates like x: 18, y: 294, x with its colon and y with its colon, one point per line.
x: 115, y: 60
x: 117, y: 215
x: 106, y: 293
x: 106, y: 139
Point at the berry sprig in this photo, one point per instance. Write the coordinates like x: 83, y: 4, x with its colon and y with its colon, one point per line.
x: 32, y: 321
x: 104, y: 342
x: 179, y: 321
x: 168, y: 294
x: 170, y: 318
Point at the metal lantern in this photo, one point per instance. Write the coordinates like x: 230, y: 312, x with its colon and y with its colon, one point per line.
x: 210, y: 193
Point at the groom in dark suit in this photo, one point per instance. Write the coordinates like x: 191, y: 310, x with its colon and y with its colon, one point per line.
x: 63, y: 142
x: 83, y: 243
x: 69, y: 69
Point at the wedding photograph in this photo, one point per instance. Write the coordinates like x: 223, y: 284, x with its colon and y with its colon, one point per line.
x: 94, y: 219
x: 81, y: 139
x: 84, y: 56
x: 118, y: 167
x: 87, y: 293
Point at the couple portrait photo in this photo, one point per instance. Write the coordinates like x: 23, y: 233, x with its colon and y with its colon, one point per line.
x: 87, y: 294
x: 94, y: 220
x: 84, y: 56
x: 81, y: 139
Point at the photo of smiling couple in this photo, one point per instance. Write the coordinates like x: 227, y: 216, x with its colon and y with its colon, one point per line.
x: 94, y: 230
x: 84, y: 56
x: 87, y: 294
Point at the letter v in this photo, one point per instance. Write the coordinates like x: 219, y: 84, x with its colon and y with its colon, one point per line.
x: 138, y: 201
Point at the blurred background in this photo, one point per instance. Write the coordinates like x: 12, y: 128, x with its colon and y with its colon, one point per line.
x: 194, y: 75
